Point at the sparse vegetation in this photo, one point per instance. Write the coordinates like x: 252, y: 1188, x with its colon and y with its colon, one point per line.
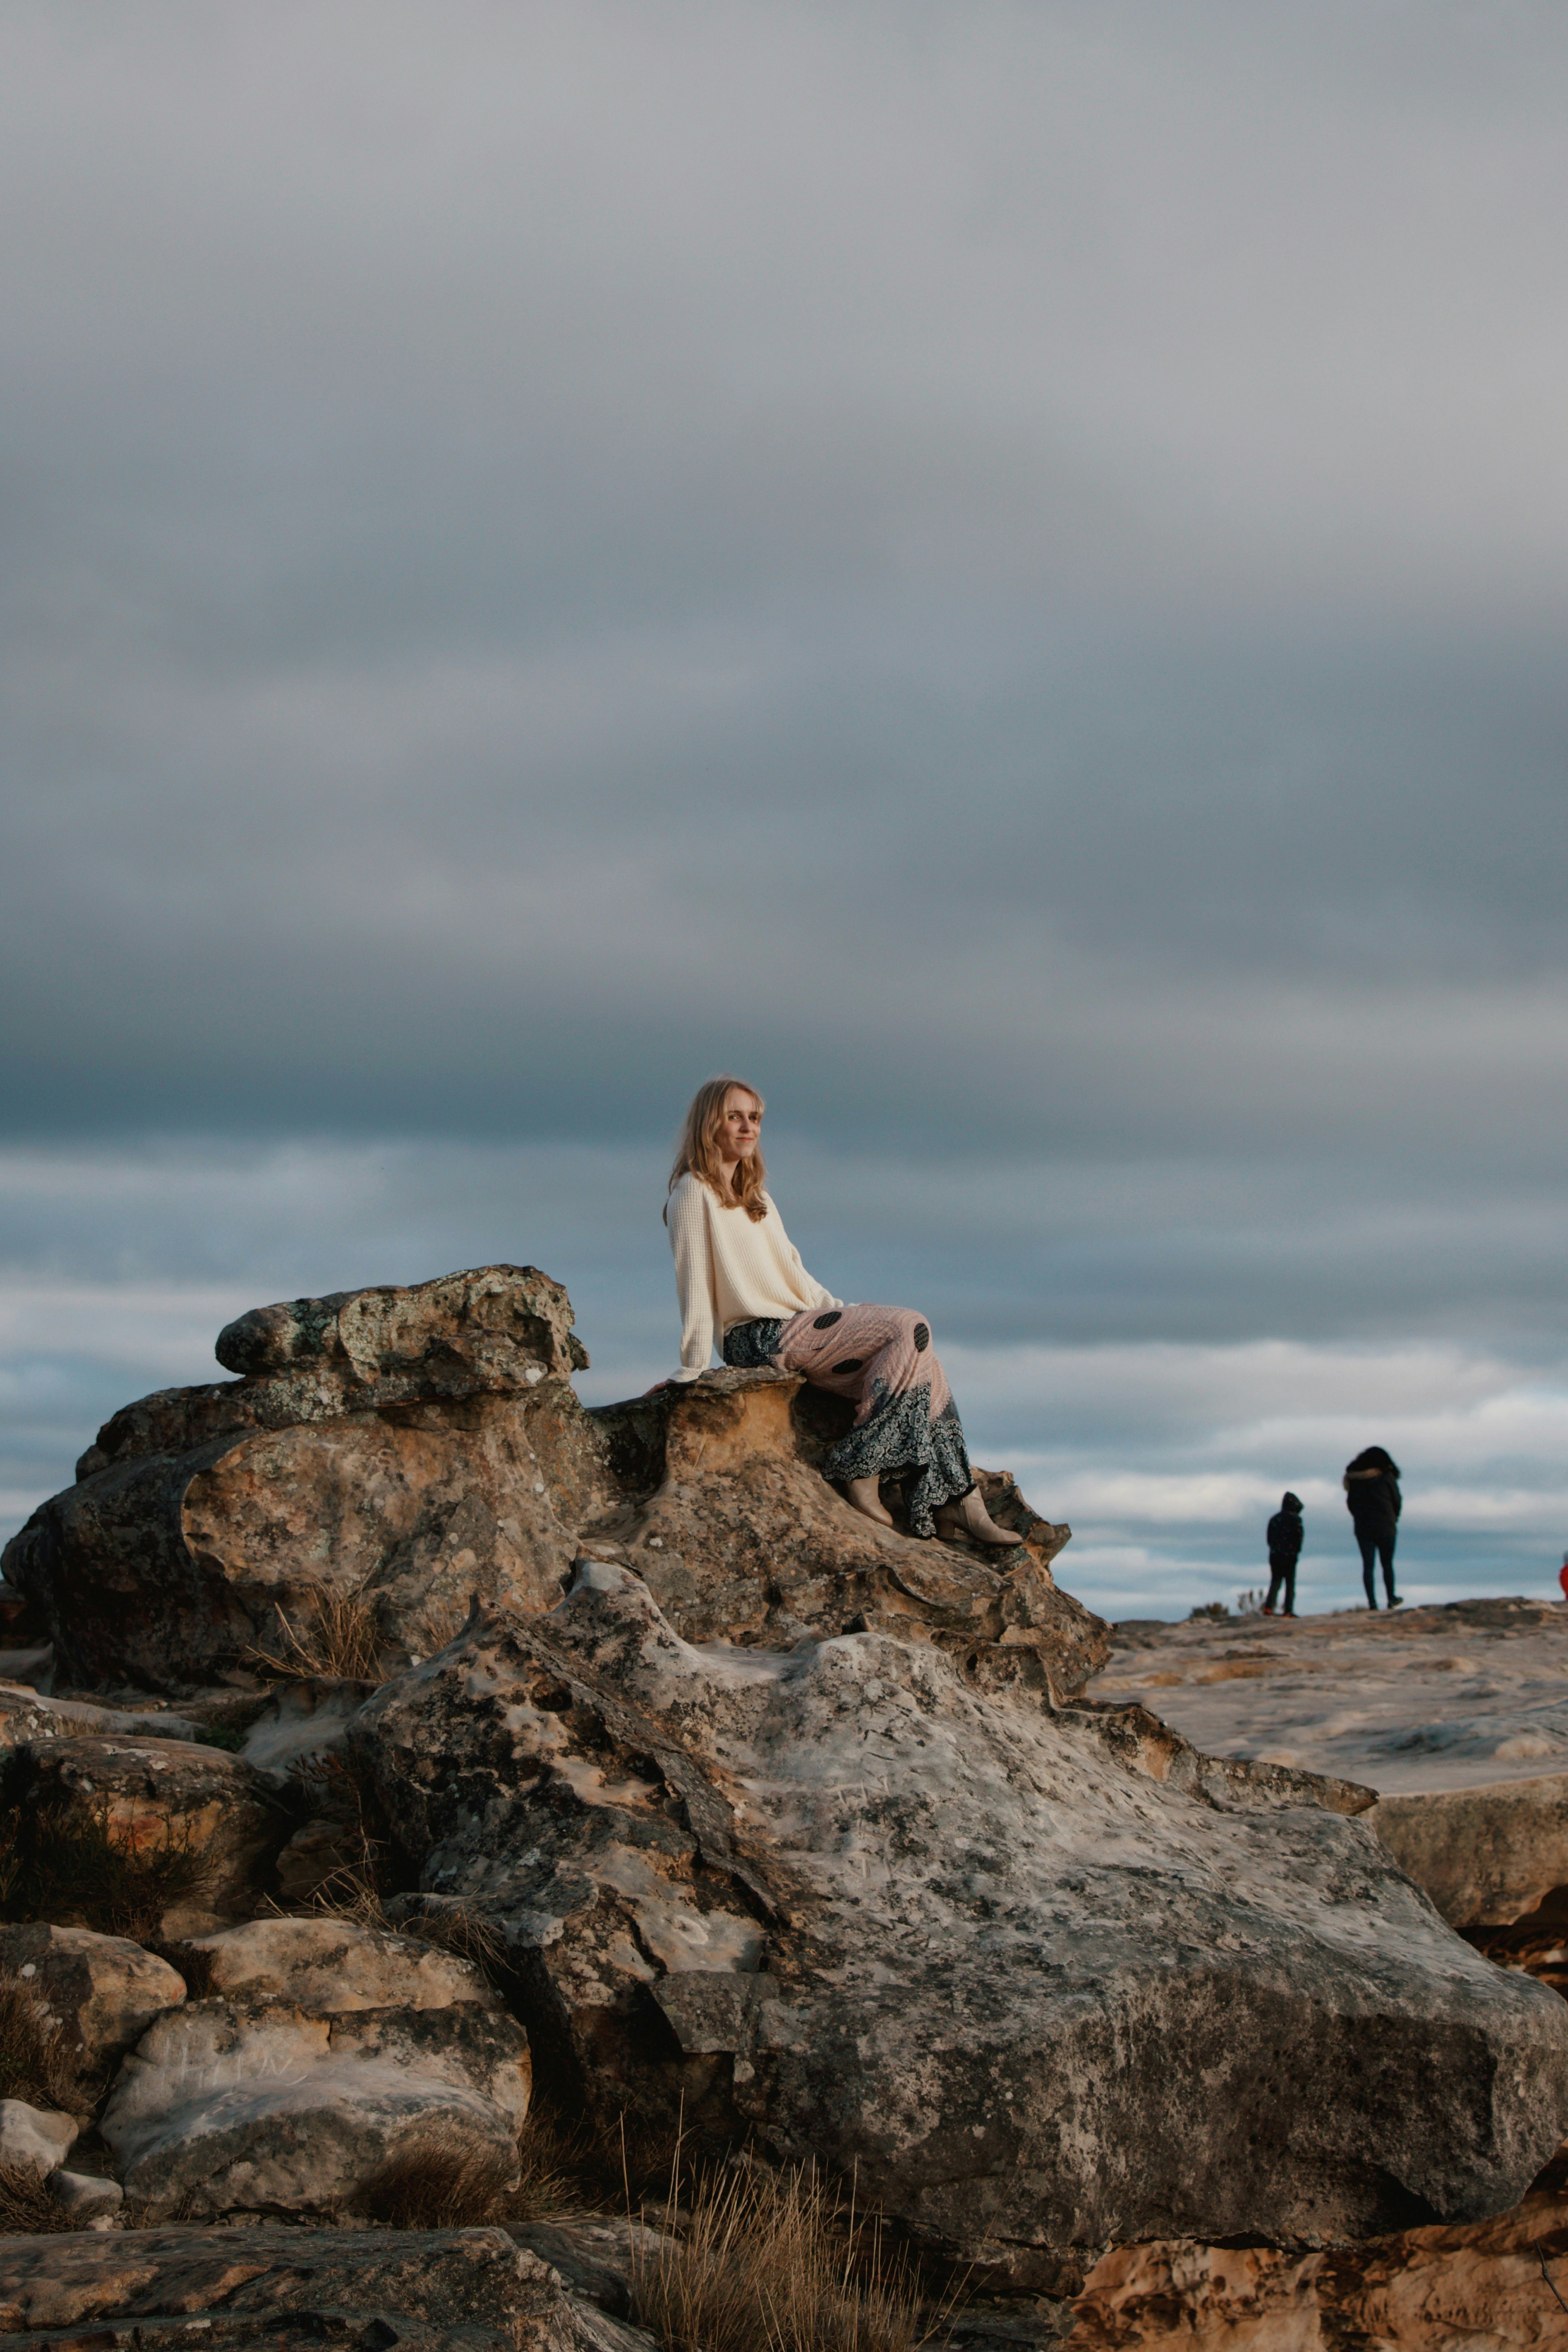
x: 1214, y: 1612
x: 352, y: 1893
x: 774, y: 2263
x: 445, y: 2184
x: 76, y: 1869
x: 451, y: 2184
x: 336, y: 1636
x: 35, y: 2065
x: 26, y: 2205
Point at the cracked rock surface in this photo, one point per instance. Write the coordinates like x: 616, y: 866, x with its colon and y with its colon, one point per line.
x: 1041, y: 1978
x: 322, y: 2051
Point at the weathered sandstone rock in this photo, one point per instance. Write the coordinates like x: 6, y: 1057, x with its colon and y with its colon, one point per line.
x: 1474, y: 2288
x: 91, y: 2201
x: 379, y: 1440
x: 149, y: 1796
x: 492, y: 2296
x: 103, y: 1991
x: 742, y: 1539
x: 403, y: 1451
x: 331, y: 1968
x: 324, y: 2050
x: 1486, y: 1856
x: 1025, y: 1972
x: 34, y: 2136
x: 26, y: 1715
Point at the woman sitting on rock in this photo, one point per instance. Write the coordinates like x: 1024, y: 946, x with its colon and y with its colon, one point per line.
x: 743, y: 1287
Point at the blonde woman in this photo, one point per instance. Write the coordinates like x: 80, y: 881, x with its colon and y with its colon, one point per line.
x: 744, y: 1290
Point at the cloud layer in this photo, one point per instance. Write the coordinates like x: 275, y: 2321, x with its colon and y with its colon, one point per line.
x: 1001, y: 570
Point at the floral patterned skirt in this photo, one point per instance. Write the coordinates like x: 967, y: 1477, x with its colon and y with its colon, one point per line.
x: 906, y: 1424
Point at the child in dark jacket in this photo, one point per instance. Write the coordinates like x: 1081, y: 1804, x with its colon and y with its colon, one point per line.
x: 1284, y: 1539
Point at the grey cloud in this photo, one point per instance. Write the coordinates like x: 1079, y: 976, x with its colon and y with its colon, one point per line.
x: 999, y: 570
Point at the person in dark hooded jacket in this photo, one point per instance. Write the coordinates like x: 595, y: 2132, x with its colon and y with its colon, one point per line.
x: 1371, y: 1498
x: 1284, y: 1540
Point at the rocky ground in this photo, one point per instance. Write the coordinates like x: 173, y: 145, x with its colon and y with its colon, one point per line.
x: 1406, y: 1700
x: 436, y: 1814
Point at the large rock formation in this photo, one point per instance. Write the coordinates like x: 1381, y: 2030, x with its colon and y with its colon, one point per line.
x: 787, y: 1824
x: 1033, y: 1974
x: 419, y: 1446
x: 1411, y: 1701
x: 378, y: 1439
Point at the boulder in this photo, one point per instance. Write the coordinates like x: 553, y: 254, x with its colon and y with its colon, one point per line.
x: 1036, y: 1976
x: 322, y: 2051
x: 34, y: 2136
x: 379, y: 1443
x: 1486, y: 1856
x: 204, y: 1818
x: 91, y: 2201
x: 103, y: 1991
x: 1470, y: 2287
x: 472, y: 2289
x: 742, y: 1539
x: 386, y: 1455
x: 25, y: 1715
x: 331, y: 1968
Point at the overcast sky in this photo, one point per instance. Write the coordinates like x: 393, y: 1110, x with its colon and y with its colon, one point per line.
x: 1002, y: 569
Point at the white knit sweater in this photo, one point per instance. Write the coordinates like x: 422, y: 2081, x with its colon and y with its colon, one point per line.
x: 728, y: 1271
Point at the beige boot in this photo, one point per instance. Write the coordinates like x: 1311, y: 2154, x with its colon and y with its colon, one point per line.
x: 865, y: 1493
x: 966, y: 1515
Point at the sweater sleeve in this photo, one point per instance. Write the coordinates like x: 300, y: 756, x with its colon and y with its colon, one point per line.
x: 694, y: 1278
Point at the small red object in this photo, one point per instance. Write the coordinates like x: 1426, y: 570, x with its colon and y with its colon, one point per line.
x: 1563, y: 1578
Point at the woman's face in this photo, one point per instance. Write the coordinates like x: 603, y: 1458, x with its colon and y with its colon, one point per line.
x: 740, y: 1127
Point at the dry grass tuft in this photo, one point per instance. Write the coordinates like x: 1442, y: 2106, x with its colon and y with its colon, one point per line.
x: 71, y: 1868
x: 35, y: 2065
x: 444, y: 2183
x: 774, y: 2263
x: 338, y: 1637
x: 451, y: 1926
x: 559, y: 2171
x: 26, y: 2205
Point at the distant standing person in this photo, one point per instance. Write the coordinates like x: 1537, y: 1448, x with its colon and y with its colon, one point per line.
x: 1372, y: 1497
x: 1284, y: 1539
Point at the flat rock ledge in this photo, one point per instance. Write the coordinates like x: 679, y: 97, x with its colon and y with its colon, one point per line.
x: 443, y: 2290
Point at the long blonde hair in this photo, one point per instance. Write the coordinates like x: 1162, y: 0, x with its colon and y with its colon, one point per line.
x: 698, y: 1154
